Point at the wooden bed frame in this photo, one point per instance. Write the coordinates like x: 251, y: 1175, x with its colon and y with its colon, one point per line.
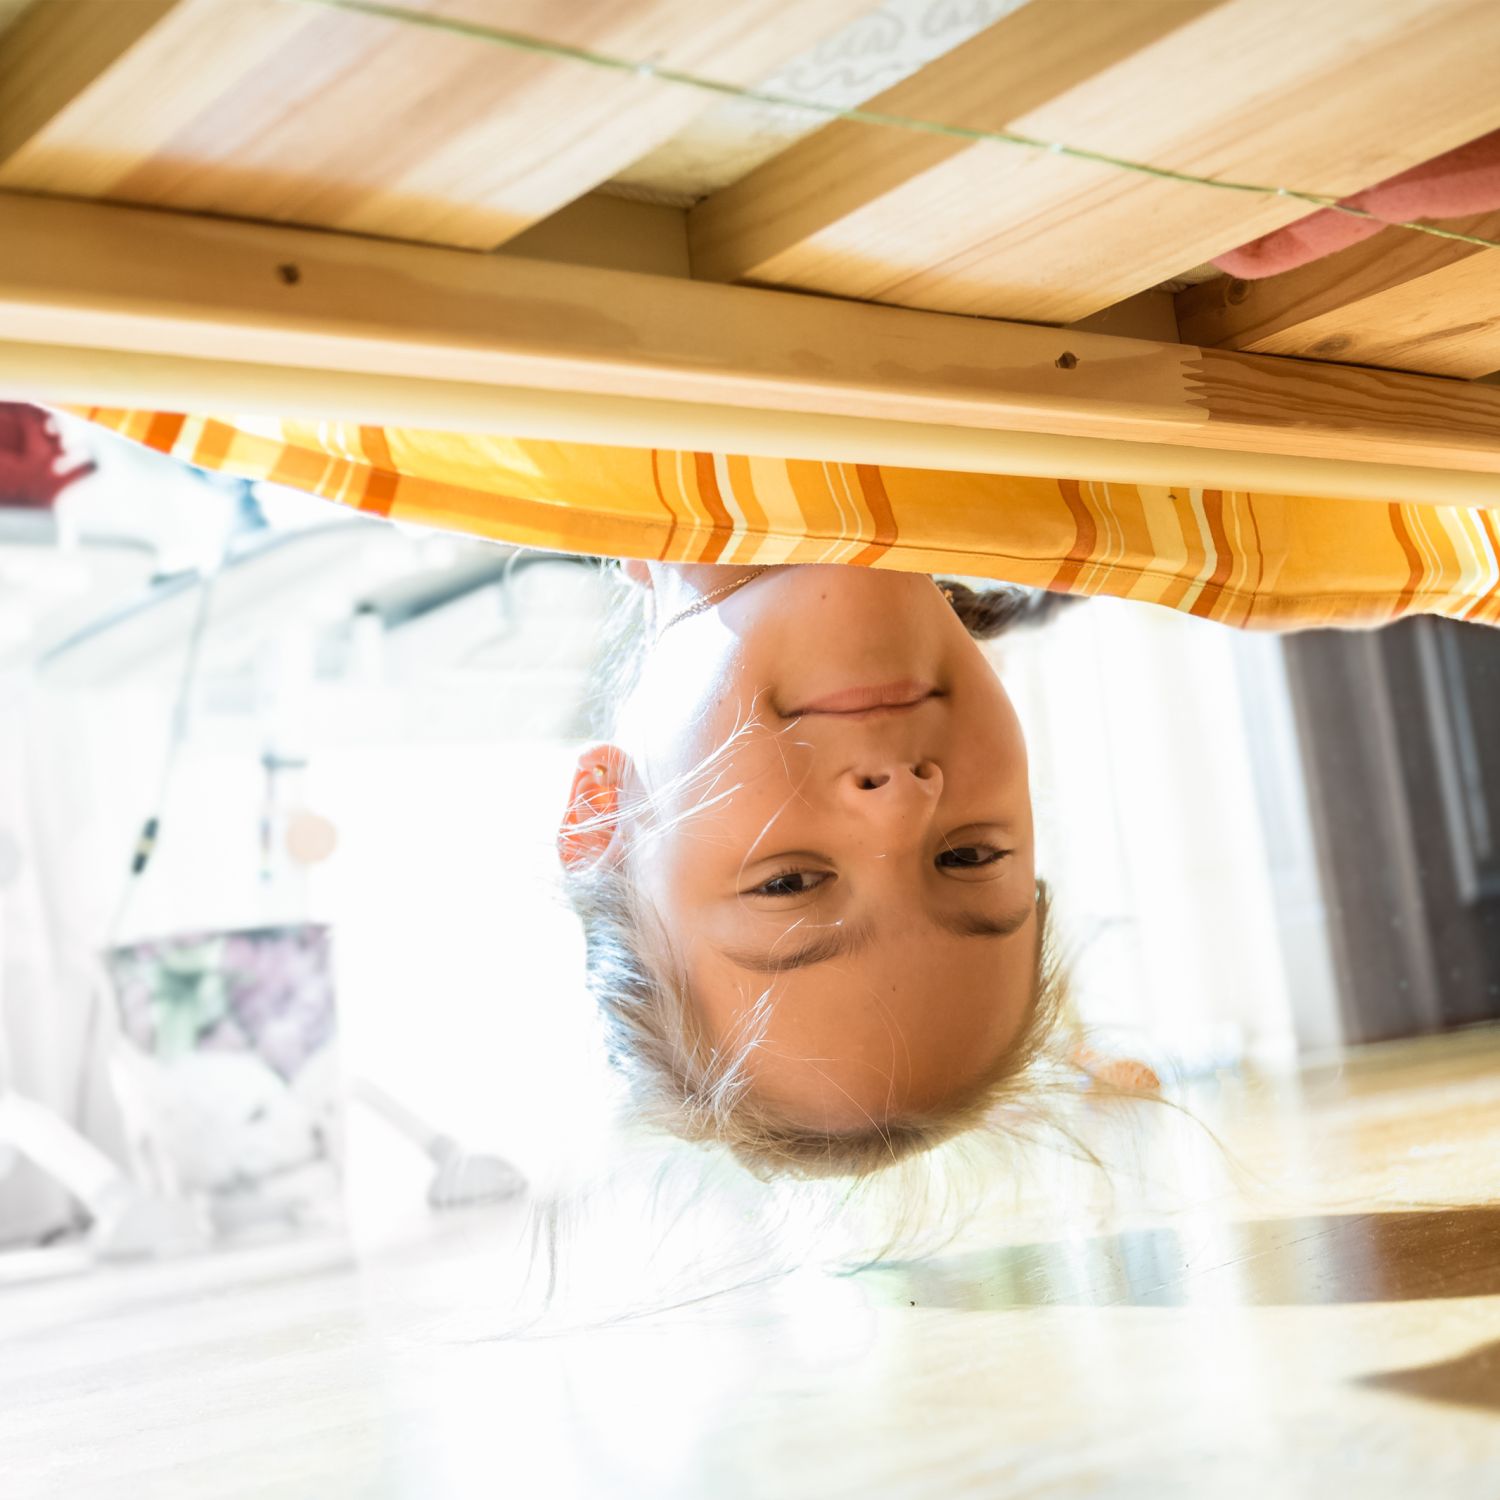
x: 267, y: 205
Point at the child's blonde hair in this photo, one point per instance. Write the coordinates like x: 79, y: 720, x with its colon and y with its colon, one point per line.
x: 700, y: 1092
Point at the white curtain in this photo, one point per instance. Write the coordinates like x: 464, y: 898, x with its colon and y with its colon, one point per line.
x: 71, y: 854
x: 79, y: 765
x: 1172, y: 822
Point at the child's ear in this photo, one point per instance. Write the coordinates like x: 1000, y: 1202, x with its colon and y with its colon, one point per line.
x: 590, y: 823
x: 636, y: 571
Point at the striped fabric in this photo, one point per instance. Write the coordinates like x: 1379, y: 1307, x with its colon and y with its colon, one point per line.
x: 1256, y: 561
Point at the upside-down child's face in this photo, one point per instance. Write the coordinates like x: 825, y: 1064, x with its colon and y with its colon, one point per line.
x: 838, y: 837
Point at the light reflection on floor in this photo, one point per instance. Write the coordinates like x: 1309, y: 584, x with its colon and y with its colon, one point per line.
x: 1335, y: 1331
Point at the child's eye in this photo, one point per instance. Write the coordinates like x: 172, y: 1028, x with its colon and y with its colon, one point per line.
x: 970, y: 856
x: 791, y: 883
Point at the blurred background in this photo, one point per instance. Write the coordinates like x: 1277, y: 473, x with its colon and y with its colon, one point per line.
x: 1261, y: 846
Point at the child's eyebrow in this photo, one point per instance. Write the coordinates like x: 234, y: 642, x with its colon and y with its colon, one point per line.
x: 842, y: 942
x: 835, y: 942
x: 982, y: 924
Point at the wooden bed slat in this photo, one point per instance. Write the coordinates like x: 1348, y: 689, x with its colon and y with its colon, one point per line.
x: 1327, y: 98
x: 300, y: 114
x: 52, y: 53
x: 1401, y: 300
x: 92, y: 276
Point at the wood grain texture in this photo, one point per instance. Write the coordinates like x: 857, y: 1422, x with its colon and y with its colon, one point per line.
x: 10, y: 12
x: 1272, y: 91
x: 94, y: 276
x: 1325, y: 1323
x: 294, y: 113
x: 51, y: 53
x: 136, y: 380
x: 1402, y: 300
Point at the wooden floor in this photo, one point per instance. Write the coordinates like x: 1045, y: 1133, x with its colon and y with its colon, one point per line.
x: 1326, y: 1323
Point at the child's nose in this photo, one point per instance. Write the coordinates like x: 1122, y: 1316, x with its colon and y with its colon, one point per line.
x: 893, y: 791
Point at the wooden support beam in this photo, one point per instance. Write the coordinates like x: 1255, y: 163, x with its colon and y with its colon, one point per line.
x: 90, y: 276
x: 1147, y: 315
x: 57, y: 375
x: 1325, y: 98
x: 271, y: 110
x: 1402, y: 300
x: 616, y: 233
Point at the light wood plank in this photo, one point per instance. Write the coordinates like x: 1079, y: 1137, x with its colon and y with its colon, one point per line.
x: 98, y: 277
x: 1326, y: 98
x: 1403, y: 300
x: 271, y: 110
x: 50, y: 53
x: 59, y: 375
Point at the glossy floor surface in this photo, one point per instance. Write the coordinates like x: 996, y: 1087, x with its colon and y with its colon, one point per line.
x: 1324, y: 1322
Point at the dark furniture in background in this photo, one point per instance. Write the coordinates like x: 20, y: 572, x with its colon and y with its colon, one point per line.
x: 1400, y: 733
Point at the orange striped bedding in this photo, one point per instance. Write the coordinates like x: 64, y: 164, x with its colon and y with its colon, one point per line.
x: 1254, y: 561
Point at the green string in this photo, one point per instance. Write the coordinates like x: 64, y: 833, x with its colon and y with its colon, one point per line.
x: 561, y: 51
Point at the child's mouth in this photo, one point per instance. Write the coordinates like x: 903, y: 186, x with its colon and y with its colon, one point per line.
x: 877, y: 698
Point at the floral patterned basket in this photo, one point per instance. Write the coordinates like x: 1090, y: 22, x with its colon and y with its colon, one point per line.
x: 227, y: 1072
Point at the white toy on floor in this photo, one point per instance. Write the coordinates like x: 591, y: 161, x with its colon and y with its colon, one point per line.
x: 222, y: 1128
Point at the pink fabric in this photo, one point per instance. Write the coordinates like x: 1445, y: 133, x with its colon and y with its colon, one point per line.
x: 1463, y: 181
x: 31, y: 458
